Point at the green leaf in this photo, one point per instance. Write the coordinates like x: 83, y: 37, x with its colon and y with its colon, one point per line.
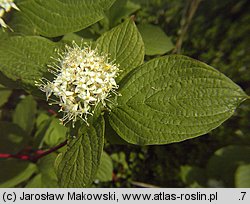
x: 14, y: 172
x: 111, y: 136
x: 125, y: 46
x: 193, y: 176
x: 12, y: 138
x: 223, y: 164
x: 130, y: 8
x: 25, y: 113
x: 41, y: 118
x: 77, y: 166
x: 49, y: 130
x: 171, y: 99
x: 55, y: 133
x: 43, y: 122
x: 25, y: 59
x: 119, y: 10
x: 3, y: 34
x: 54, y: 18
x: 242, y: 176
x: 4, y: 95
x: 35, y: 182
x: 105, y: 170
x: 70, y: 37
x: 46, y: 178
x: 47, y: 170
x: 5, y: 81
x: 155, y: 40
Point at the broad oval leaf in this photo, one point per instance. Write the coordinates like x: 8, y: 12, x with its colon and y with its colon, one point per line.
x: 77, y: 166
x: 105, y: 169
x: 242, y: 176
x: 125, y: 46
x: 25, y: 59
x: 223, y: 164
x: 155, y: 40
x: 24, y: 114
x: 56, y: 17
x: 171, y: 99
x: 55, y: 133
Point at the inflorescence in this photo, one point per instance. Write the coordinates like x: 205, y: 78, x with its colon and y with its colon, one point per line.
x: 82, y: 79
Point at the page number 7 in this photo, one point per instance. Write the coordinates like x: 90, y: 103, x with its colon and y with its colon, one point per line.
x: 243, y: 195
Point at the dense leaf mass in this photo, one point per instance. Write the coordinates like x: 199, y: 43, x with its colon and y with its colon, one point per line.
x: 168, y: 100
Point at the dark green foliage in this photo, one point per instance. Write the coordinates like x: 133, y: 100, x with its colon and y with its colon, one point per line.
x: 217, y: 34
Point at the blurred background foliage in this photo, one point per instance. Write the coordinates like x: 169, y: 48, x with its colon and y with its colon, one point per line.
x: 215, y: 32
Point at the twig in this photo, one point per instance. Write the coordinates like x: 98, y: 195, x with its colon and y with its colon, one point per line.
x: 187, y: 18
x: 15, y: 156
x: 144, y: 185
x: 33, y: 157
x: 44, y: 153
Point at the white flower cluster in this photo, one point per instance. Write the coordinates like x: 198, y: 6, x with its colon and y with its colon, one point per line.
x: 5, y: 6
x: 82, y: 79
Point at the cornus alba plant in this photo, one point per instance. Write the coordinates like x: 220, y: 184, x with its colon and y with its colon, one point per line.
x: 164, y: 100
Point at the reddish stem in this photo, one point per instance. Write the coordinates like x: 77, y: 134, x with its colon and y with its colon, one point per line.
x: 5, y: 155
x: 33, y: 158
x: 40, y: 154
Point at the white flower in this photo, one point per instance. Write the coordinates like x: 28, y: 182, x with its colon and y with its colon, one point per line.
x: 5, y: 6
x: 82, y: 79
